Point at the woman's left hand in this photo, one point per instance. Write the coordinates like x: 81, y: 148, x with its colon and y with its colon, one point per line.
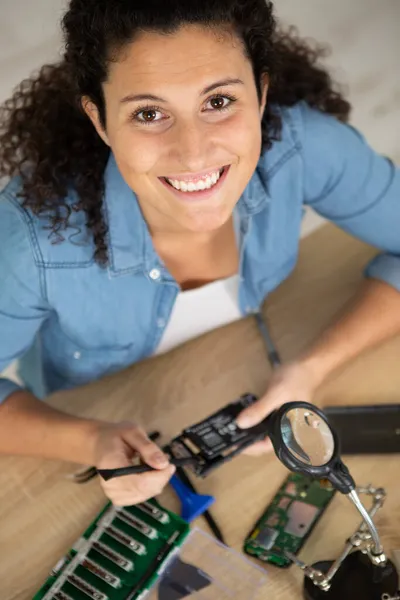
x: 293, y: 382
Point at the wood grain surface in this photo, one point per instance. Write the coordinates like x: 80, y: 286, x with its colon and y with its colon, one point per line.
x: 43, y: 512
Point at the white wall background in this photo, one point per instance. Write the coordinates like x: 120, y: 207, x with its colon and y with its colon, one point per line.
x: 364, y: 36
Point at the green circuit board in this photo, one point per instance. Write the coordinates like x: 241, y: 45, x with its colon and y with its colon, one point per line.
x: 289, y: 519
x: 119, y: 556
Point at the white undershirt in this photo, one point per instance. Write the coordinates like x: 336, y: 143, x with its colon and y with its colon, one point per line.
x: 200, y: 310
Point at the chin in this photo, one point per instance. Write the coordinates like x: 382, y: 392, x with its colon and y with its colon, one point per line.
x: 207, y: 221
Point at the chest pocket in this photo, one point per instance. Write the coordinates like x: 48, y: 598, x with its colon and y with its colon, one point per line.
x: 80, y: 362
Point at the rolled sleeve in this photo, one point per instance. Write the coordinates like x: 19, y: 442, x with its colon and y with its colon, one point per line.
x: 353, y: 186
x: 7, y: 387
x: 385, y: 267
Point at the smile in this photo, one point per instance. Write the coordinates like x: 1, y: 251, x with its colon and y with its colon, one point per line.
x: 198, y: 183
x: 196, y: 187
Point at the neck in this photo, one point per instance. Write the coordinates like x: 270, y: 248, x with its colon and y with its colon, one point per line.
x: 184, y: 236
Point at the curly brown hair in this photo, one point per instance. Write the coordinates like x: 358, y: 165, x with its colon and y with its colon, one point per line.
x: 47, y: 139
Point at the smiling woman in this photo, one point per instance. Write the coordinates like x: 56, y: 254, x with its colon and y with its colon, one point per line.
x: 158, y: 176
x: 206, y: 123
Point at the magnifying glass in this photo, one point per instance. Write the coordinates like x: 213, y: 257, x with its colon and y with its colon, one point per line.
x: 304, y: 442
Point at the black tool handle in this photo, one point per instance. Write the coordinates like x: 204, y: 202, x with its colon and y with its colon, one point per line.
x: 107, y: 474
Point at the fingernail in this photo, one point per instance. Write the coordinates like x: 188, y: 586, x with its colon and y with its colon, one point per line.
x: 244, y: 422
x: 160, y: 458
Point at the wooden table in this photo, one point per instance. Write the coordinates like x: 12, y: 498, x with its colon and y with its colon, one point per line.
x: 42, y: 512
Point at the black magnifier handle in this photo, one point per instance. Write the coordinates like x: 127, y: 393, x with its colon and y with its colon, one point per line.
x: 108, y: 474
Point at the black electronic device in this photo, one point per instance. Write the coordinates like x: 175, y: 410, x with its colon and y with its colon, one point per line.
x: 218, y: 438
x: 370, y: 429
x: 208, y: 444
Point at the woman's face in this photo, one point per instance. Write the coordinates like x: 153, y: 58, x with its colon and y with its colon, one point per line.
x: 184, y: 125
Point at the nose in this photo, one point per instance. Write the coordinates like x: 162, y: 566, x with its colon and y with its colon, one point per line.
x: 193, y: 146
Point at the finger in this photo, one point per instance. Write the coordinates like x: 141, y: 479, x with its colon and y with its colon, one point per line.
x: 255, y: 413
x: 153, y: 483
x: 137, y: 488
x: 259, y: 448
x: 127, y: 499
x: 148, y: 450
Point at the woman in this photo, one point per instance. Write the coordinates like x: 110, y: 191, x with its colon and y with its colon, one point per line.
x: 163, y: 162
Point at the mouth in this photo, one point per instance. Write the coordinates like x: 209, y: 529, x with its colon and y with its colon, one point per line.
x: 198, y: 188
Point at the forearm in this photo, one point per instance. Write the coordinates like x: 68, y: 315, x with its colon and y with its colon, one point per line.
x: 372, y: 317
x: 31, y: 427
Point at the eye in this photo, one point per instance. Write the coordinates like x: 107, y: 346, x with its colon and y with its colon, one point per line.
x: 147, y: 115
x: 221, y: 102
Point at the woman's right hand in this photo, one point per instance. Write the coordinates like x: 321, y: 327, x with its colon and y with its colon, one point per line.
x: 115, y: 446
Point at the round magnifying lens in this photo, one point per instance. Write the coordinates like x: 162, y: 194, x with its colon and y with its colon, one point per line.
x: 307, y: 436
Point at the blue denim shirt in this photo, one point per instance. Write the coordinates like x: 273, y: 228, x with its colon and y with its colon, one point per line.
x: 69, y: 321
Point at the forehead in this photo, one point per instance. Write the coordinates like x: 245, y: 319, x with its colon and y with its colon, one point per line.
x: 190, y: 52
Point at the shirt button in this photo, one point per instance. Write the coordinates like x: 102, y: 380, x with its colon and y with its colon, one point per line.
x: 155, y: 274
x: 77, y: 355
x: 160, y: 323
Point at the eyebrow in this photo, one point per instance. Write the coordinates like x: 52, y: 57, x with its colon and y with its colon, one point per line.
x: 207, y: 90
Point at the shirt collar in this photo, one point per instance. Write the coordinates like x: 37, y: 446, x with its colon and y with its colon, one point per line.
x: 129, y: 240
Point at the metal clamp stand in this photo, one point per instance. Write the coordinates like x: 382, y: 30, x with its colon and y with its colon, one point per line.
x: 358, y: 573
x: 362, y: 571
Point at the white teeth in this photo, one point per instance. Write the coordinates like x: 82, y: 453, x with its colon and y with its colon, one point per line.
x: 192, y: 186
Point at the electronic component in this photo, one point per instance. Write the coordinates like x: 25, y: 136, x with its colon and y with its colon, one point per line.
x: 107, y: 563
x: 125, y: 539
x: 160, y: 515
x: 101, y: 572
x: 136, y: 523
x: 300, y: 517
x: 289, y: 519
x: 113, y: 556
x: 217, y: 439
x: 284, y: 503
x: 62, y: 596
x: 265, y: 537
x: 85, y: 587
x: 154, y: 565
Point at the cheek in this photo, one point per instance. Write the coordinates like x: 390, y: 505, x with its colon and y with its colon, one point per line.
x: 139, y: 153
x: 243, y: 137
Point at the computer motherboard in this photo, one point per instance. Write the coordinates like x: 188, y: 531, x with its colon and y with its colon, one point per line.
x: 289, y: 519
x: 119, y: 556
